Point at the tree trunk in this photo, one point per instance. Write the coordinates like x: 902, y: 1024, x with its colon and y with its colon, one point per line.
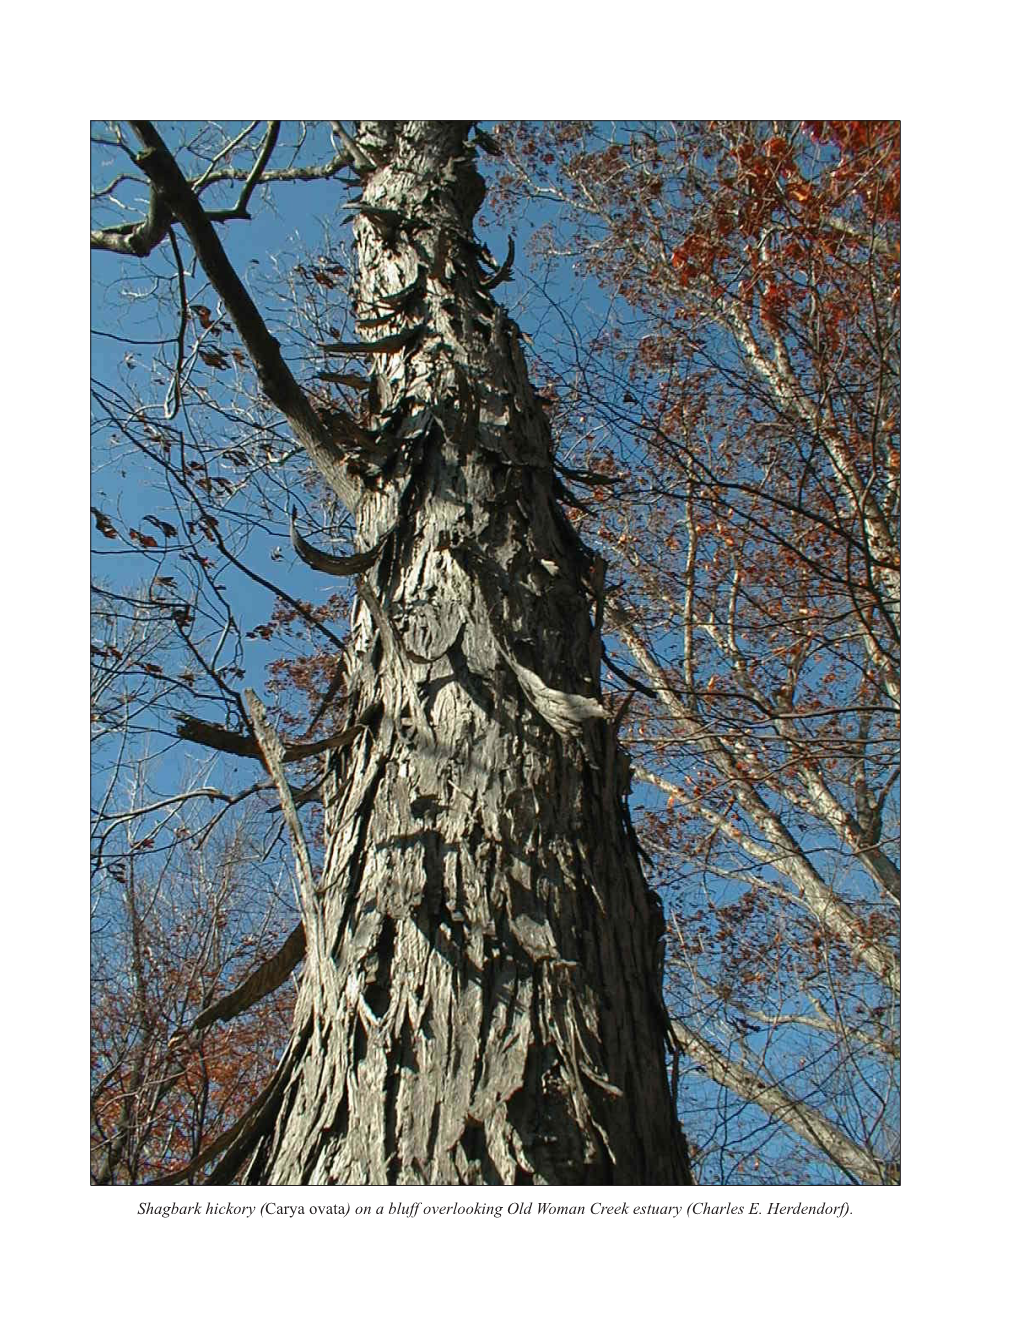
x: 481, y: 1001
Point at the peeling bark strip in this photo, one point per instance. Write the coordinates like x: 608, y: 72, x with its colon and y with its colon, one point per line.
x: 503, y: 273
x: 337, y: 565
x: 488, y: 1004
x: 266, y: 978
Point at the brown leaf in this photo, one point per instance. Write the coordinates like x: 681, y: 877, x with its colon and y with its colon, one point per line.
x: 103, y: 524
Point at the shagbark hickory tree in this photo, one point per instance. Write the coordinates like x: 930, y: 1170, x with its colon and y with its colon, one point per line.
x: 481, y: 996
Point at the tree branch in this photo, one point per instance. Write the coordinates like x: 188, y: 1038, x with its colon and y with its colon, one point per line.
x: 206, y: 734
x: 240, y: 210
x: 136, y: 240
x: 172, y: 191
x: 272, y: 754
x: 800, y: 1117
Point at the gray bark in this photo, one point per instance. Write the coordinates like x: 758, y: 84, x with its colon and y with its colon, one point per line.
x: 481, y: 1001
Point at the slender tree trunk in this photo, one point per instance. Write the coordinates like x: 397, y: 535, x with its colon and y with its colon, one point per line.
x: 481, y: 1001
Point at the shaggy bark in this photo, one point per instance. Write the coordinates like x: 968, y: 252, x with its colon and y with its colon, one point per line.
x: 481, y: 1001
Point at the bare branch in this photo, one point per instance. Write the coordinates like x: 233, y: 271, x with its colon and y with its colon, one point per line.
x: 206, y: 734
x: 175, y: 385
x: 240, y: 210
x: 272, y: 754
x: 800, y: 1117
x: 358, y: 156
x: 136, y: 240
x: 173, y: 195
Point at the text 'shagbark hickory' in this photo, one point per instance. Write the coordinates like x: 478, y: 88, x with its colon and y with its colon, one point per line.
x: 481, y: 996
